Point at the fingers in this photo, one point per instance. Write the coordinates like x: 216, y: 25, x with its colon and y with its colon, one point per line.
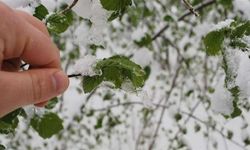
x: 42, y: 104
x: 23, y: 88
x: 34, y: 22
x: 26, y: 38
x: 37, y: 24
x: 39, y: 51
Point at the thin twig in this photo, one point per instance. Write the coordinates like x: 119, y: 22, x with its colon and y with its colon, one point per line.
x: 69, y: 7
x: 74, y: 75
x: 191, y: 8
x: 23, y: 65
x: 215, y: 129
x: 198, y: 8
x: 173, y: 84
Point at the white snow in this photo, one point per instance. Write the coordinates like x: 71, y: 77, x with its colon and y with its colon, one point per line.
x: 128, y: 86
x: 81, y: 34
x: 93, y: 11
x: 85, y: 66
x: 243, y: 77
x: 16, y: 3
x: 146, y: 99
x: 84, y: 8
x: 242, y: 6
x: 142, y: 57
x: 222, y: 24
x: 24, y: 5
x: 221, y: 99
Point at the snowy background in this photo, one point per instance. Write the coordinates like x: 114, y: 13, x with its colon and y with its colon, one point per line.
x: 184, y: 96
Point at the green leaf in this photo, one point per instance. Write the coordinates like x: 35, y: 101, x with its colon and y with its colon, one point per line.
x: 128, y: 68
x: 230, y: 134
x: 237, y: 112
x: 189, y: 93
x: 41, y: 12
x: 108, y: 96
x: 47, y: 125
x: 52, y: 103
x: 240, y: 30
x: 113, y: 121
x: 9, y: 123
x: 213, y: 42
x: 59, y: 23
x: 5, y: 128
x: 116, y: 70
x: 226, y: 3
x: 99, y: 121
x: 90, y: 83
x: 168, y: 18
x: 235, y: 94
x: 147, y: 70
x: 178, y: 117
x: 115, y: 5
x: 113, y: 16
x: 112, y: 74
x: 2, y: 147
x: 236, y: 43
x: 144, y: 41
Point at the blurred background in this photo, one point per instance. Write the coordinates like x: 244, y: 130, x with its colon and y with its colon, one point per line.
x: 173, y: 111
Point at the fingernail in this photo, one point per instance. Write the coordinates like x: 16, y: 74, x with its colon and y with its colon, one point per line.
x: 60, y: 81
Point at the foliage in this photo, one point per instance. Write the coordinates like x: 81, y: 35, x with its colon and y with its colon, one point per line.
x: 185, y: 67
x: 214, y: 46
x: 117, y: 70
x: 9, y: 123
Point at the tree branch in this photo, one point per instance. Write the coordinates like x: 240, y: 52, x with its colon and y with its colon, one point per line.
x: 190, y: 7
x: 215, y: 129
x: 173, y: 84
x: 198, y: 8
x: 69, y: 7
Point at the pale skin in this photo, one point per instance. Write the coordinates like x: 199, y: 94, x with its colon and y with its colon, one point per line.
x: 23, y: 37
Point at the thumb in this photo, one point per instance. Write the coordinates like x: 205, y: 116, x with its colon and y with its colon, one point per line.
x: 30, y: 87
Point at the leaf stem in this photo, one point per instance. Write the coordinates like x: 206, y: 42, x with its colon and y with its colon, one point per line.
x: 74, y: 75
x: 69, y: 76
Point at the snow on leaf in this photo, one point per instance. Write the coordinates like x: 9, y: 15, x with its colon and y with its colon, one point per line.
x: 58, y: 23
x: 117, y: 70
x: 85, y: 66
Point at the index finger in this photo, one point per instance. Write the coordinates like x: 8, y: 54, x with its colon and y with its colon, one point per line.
x: 23, y: 40
x: 39, y: 50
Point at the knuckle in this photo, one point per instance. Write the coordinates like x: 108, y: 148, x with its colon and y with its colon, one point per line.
x: 37, y: 87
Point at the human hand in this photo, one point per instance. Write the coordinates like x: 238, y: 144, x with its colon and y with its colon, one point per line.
x: 23, y: 37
